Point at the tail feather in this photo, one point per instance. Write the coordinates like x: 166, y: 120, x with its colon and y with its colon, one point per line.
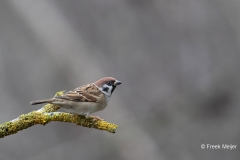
x: 42, y: 101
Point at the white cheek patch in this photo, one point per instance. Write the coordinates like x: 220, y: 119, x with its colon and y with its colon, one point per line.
x: 106, y: 89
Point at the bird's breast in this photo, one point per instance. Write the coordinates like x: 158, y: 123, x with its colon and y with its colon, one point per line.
x: 83, y: 107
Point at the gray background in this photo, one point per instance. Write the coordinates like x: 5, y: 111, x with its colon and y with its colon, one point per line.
x: 178, y: 60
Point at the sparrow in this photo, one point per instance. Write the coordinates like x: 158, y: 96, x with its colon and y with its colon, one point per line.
x: 85, y: 99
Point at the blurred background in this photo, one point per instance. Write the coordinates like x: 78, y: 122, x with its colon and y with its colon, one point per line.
x: 178, y: 61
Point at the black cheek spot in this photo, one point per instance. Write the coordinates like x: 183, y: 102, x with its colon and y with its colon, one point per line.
x: 105, y: 89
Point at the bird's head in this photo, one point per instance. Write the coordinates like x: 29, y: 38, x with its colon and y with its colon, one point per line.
x: 107, y: 85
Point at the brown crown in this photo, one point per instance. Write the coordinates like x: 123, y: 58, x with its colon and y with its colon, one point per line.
x: 102, y: 81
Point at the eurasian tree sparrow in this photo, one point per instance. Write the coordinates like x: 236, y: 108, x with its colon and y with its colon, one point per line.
x: 85, y: 99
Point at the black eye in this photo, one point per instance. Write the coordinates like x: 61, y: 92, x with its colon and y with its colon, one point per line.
x: 109, y: 83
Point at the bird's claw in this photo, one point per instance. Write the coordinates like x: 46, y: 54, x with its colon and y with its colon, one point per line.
x: 95, y: 118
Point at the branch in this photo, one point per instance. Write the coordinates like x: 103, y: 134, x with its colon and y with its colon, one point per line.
x: 47, y: 114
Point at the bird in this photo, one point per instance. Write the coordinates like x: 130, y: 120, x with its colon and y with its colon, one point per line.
x: 86, y: 99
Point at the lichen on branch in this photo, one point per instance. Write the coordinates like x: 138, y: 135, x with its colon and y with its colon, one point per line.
x: 47, y: 114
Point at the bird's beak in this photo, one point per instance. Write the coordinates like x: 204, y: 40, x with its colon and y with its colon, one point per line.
x: 117, y: 83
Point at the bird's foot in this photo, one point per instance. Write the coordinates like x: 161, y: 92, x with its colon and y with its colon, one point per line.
x: 96, y: 118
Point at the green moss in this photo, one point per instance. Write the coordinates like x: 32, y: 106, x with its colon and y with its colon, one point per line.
x: 47, y: 115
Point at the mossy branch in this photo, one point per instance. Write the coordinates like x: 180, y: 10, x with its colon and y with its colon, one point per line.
x: 47, y: 114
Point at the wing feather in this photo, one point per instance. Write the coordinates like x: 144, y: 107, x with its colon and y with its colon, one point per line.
x: 86, y: 93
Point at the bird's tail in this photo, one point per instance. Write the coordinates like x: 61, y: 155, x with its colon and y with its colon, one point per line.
x: 42, y: 101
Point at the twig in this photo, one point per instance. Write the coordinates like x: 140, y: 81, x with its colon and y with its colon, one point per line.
x: 46, y: 114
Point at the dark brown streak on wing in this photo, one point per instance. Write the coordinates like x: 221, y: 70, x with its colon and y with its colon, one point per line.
x: 79, y: 97
x: 86, y: 93
x: 93, y: 90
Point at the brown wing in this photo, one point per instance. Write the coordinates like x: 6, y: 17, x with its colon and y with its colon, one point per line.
x: 89, y: 88
x: 86, y: 93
